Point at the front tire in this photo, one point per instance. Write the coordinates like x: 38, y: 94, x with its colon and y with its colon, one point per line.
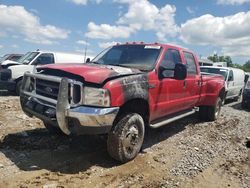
x: 126, y: 138
x: 52, y: 129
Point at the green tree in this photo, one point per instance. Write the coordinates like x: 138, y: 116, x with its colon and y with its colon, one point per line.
x: 246, y: 66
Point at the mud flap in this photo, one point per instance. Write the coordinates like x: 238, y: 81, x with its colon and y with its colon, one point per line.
x: 62, y: 106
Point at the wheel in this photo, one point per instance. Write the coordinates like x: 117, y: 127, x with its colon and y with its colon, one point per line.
x: 211, y: 113
x: 126, y: 138
x: 52, y: 129
x: 239, y: 97
x: 243, y: 105
x: 18, y: 87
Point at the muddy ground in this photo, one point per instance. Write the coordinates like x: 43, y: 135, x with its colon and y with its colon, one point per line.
x: 187, y: 153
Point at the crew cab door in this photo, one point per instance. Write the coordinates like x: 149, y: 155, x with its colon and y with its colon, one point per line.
x: 171, y: 92
x: 192, y: 82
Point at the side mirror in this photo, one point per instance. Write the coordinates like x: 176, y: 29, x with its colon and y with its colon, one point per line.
x: 179, y: 72
x: 87, y: 60
x: 37, y: 61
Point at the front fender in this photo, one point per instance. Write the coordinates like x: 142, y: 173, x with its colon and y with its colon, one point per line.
x: 128, y: 88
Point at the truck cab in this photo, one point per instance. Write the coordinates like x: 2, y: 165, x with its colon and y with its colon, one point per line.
x: 124, y: 90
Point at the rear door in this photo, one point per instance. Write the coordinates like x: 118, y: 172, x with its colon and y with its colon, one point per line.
x: 192, y: 83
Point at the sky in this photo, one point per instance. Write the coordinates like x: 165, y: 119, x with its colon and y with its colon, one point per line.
x: 204, y: 26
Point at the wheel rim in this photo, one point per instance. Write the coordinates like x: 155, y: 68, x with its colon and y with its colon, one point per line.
x: 131, y: 139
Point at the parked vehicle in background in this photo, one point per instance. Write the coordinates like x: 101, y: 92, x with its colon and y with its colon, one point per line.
x: 234, y: 79
x: 220, y: 64
x: 125, y: 89
x: 205, y: 62
x: 11, y: 75
x: 246, y: 96
x: 247, y: 74
x: 11, y: 57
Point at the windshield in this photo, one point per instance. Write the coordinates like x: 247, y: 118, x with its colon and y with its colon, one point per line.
x: 28, y: 57
x: 223, y: 72
x: 3, y: 58
x: 142, y: 57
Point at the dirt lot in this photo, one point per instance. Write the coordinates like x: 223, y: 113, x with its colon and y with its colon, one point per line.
x: 187, y: 153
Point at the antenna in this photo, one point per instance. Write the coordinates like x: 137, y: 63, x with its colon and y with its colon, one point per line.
x: 85, y: 51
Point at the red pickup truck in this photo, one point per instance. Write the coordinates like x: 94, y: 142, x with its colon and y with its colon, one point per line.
x: 125, y: 89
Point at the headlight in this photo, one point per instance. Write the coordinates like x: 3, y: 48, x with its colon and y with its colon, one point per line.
x: 96, y: 97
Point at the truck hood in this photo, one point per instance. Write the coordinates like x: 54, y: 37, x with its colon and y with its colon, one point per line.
x: 8, y: 63
x: 92, y: 73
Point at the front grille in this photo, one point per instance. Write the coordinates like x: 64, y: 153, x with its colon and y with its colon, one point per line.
x: 50, y: 89
x: 47, y: 88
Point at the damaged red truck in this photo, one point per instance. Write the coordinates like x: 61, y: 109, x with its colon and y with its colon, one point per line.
x: 125, y: 89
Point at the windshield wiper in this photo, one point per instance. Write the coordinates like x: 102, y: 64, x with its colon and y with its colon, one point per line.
x: 95, y: 62
x: 119, y: 65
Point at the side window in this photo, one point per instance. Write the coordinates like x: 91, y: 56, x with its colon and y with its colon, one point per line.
x: 231, y: 76
x: 171, y: 58
x: 46, y: 58
x: 191, y: 65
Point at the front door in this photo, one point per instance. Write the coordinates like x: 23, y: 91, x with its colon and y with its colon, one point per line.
x: 171, y: 92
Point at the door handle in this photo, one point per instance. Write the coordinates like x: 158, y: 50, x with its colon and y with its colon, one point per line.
x: 199, y: 83
x: 185, y: 84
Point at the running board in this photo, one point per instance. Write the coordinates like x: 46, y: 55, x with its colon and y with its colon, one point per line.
x: 171, y: 119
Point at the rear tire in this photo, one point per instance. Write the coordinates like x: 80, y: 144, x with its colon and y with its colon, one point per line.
x: 211, y: 113
x: 52, y: 129
x: 243, y: 105
x: 126, y: 138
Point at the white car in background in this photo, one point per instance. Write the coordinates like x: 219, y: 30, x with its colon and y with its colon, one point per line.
x: 234, y: 80
x: 11, y: 75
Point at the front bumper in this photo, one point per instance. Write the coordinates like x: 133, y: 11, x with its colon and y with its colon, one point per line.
x: 70, y: 119
x: 7, y: 85
x: 5, y: 80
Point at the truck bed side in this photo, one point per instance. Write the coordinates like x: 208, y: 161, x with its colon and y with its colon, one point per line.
x: 212, y: 87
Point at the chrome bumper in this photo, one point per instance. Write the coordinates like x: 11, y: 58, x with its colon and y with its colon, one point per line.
x: 61, y: 110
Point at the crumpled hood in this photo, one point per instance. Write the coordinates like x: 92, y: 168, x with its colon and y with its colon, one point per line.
x: 91, y: 72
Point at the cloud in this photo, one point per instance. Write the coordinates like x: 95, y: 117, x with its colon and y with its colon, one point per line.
x: 232, y: 2
x: 106, y: 31
x: 82, y: 42
x: 84, y: 2
x: 1, y: 46
x: 190, y: 10
x: 14, y: 46
x: 231, y: 33
x: 141, y: 15
x: 17, y: 20
x: 107, y: 44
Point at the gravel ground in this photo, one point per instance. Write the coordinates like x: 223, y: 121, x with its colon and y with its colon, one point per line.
x: 186, y: 153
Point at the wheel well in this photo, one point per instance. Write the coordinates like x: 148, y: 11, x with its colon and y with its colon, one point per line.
x: 18, y: 79
x: 139, y: 106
